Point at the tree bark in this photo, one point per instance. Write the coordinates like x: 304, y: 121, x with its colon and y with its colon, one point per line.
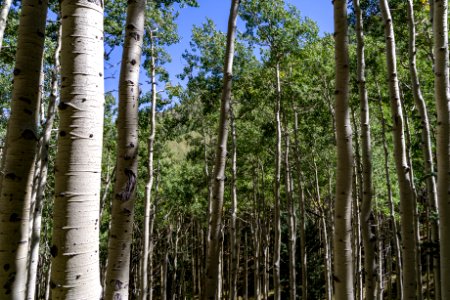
x: 21, y: 140
x: 277, y: 212
x: 343, y: 269
x: 441, y: 93
x: 369, y: 239
x: 302, y: 221
x: 75, y: 245
x: 395, y: 233
x: 213, y: 241
x: 148, y: 231
x: 3, y: 19
x: 401, y: 163
x: 42, y: 182
x: 122, y: 211
x: 426, y: 142
x: 234, y: 263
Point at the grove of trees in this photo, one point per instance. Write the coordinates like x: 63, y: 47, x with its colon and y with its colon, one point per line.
x: 288, y: 164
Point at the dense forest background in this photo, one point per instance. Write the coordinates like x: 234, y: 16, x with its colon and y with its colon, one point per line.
x: 291, y: 165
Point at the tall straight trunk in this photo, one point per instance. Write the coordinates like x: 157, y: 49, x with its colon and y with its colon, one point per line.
x: 426, y: 143
x: 416, y: 213
x: 122, y: 210
x: 357, y: 235
x: 369, y: 239
x: 326, y: 237
x: 150, y: 169
x: 216, y: 203
x: 395, y: 233
x: 246, y: 246
x: 256, y: 231
x: 343, y: 269
x: 3, y: 19
x: 441, y: 83
x: 21, y: 138
x: 380, y: 283
x: 75, y: 245
x: 277, y: 211
x: 42, y: 182
x: 234, y: 263
x: 302, y: 221
x: 401, y: 163
x: 292, y: 220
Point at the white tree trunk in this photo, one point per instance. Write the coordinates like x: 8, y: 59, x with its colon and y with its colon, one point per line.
x: 20, y: 156
x: 369, y: 239
x: 122, y: 211
x: 343, y: 269
x: 3, y: 19
x: 75, y: 246
x: 401, y: 163
x: 42, y: 182
x: 148, y: 229
x: 216, y: 203
x: 441, y: 83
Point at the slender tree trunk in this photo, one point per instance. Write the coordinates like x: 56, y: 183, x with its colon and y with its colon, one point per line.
x: 277, y: 212
x: 122, y: 211
x: 302, y: 220
x: 256, y: 231
x: 213, y: 251
x: 380, y: 283
x: 149, y: 184
x: 21, y: 138
x: 395, y: 234
x: 356, y: 237
x: 3, y: 18
x: 402, y: 167
x: 426, y: 142
x: 343, y: 273
x: 327, y: 254
x: 413, y: 187
x: 234, y: 263
x: 246, y: 246
x: 75, y: 245
x: 441, y: 83
x: 369, y: 239
x: 42, y: 182
x: 292, y: 221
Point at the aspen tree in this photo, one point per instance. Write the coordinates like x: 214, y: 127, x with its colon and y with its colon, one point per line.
x: 426, y: 139
x: 401, y: 163
x: 394, y: 227
x: 147, y: 250
x: 234, y: 206
x: 122, y: 211
x: 3, y: 19
x: 292, y: 219
x: 42, y: 177
x: 302, y: 221
x: 343, y: 269
x: 441, y: 93
x: 210, y: 284
x: 20, y: 156
x: 75, y: 270
x: 366, y: 210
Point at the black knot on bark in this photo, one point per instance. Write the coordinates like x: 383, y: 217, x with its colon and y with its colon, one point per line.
x: 54, y: 250
x: 62, y: 105
x: 29, y: 135
x: 14, y: 218
x: 130, y: 186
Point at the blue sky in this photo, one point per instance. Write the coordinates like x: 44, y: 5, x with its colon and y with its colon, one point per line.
x: 321, y: 11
